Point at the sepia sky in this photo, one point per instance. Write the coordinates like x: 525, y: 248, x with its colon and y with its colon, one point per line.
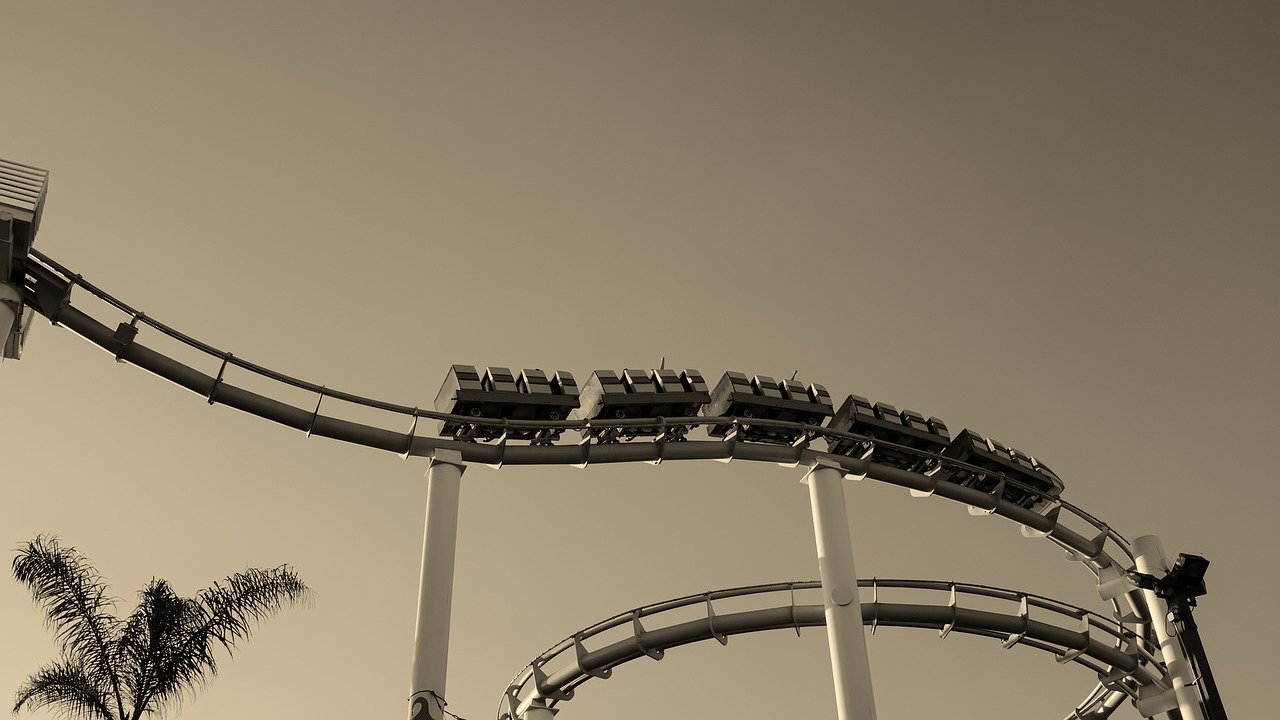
x: 1055, y: 223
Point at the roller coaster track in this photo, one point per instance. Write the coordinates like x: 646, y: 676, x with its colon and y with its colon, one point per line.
x: 1071, y: 634
x: 49, y: 286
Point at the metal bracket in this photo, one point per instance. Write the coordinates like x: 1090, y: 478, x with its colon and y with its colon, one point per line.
x: 316, y: 413
x: 1073, y: 653
x: 501, y: 445
x: 584, y: 447
x: 1134, y: 647
x: 1024, y: 618
x: 125, y: 335
x: 544, y: 689
x: 408, y: 439
x: 640, y: 632
x: 1096, y: 546
x: 66, y: 299
x: 951, y: 624
x: 217, y: 382
x: 1100, y: 540
x: 875, y: 605
x: 580, y: 653
x: 513, y: 703
x: 731, y: 439
x: 795, y: 619
x: 711, y: 623
x: 659, y: 443
x: 1112, y: 681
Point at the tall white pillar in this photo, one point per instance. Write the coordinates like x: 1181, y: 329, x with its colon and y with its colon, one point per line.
x: 1149, y: 559
x: 435, y: 594
x: 849, y: 665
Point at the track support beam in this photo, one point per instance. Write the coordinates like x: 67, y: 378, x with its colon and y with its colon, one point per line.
x: 845, y: 636
x: 435, y: 594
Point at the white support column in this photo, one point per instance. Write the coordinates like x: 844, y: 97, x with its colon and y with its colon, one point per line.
x: 1149, y: 559
x: 849, y: 665
x: 435, y: 594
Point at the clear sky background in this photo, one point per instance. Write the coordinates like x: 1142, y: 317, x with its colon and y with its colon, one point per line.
x: 1055, y: 223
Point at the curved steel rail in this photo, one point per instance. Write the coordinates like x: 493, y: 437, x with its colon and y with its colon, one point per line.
x: 49, y: 285
x: 1071, y: 633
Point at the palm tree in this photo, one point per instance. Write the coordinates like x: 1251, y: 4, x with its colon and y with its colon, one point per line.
x: 122, y: 669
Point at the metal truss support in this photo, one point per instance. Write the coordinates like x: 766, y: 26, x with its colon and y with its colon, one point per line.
x: 435, y: 594
x: 849, y: 665
x: 1149, y: 558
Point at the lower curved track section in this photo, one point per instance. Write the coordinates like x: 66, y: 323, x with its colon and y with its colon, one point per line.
x: 1071, y: 634
x: 49, y: 287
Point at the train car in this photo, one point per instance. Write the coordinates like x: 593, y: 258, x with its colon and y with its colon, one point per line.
x: 500, y: 394
x: 993, y: 457
x: 886, y: 428
x: 761, y: 396
x: 658, y: 393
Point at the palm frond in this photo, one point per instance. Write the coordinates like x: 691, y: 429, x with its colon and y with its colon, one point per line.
x: 220, y: 615
x: 66, y: 686
x: 76, y: 605
x: 152, y: 634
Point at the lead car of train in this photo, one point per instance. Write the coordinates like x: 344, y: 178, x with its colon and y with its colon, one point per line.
x: 878, y: 432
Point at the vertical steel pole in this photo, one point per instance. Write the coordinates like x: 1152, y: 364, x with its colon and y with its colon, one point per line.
x: 849, y: 664
x: 1149, y: 558
x: 435, y: 594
